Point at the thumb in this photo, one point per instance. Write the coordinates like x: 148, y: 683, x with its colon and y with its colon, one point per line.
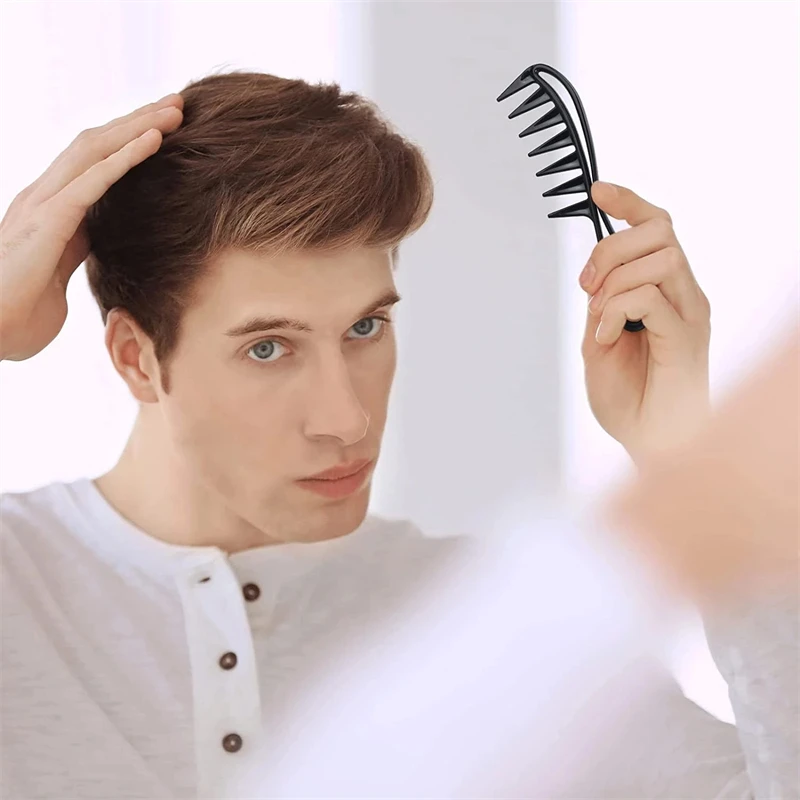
x: 622, y: 203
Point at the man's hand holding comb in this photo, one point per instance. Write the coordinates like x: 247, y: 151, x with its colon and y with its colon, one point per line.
x: 647, y: 389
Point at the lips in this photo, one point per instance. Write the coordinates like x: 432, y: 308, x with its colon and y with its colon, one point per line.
x: 339, y: 488
x: 339, y: 472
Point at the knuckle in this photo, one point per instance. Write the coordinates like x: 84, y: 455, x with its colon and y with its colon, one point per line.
x: 651, y: 293
x: 86, y: 134
x: 663, y: 228
x: 82, y: 146
x: 673, y: 257
x: 17, y: 205
x: 705, y: 303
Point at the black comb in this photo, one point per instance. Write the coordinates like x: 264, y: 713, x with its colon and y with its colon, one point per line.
x: 545, y: 93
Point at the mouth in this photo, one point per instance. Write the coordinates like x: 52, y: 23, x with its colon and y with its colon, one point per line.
x: 341, y: 486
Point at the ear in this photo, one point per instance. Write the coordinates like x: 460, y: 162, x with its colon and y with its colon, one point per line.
x: 132, y: 355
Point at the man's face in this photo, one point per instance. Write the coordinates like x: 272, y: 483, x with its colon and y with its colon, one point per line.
x: 256, y: 403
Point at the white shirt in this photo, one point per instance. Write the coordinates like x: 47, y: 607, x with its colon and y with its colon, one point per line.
x: 119, y: 681
x: 112, y: 685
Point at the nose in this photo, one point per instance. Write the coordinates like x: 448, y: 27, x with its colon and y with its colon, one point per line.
x: 334, y: 410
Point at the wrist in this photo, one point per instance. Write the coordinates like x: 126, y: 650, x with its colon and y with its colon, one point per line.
x: 672, y: 434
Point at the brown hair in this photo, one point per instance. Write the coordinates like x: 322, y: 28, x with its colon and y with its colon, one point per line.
x: 260, y: 163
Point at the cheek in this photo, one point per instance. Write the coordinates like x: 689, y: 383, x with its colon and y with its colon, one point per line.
x: 373, y: 377
x: 231, y: 426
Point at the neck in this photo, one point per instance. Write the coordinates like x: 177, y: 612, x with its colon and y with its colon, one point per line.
x: 152, y: 488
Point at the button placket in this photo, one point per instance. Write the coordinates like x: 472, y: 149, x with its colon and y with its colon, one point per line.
x: 225, y: 681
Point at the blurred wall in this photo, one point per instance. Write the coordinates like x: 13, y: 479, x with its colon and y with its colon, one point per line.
x: 475, y: 411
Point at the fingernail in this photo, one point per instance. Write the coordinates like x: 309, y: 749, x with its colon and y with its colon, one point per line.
x: 587, y: 276
x: 610, y: 187
x: 597, y: 332
x: 594, y: 303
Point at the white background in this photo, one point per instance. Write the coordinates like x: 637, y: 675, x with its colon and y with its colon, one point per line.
x: 692, y: 105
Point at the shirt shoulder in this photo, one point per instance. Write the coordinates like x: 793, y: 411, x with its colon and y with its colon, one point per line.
x: 40, y: 531
x: 27, y: 516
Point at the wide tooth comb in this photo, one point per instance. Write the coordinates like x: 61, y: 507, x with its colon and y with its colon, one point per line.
x: 570, y: 161
x: 581, y: 209
x: 524, y: 79
x: 578, y: 159
x: 538, y: 98
x: 560, y: 140
x: 552, y: 117
x: 572, y: 186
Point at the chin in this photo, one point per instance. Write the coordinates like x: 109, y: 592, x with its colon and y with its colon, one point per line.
x: 339, y: 518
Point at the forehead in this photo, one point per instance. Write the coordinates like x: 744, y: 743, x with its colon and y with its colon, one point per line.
x: 308, y: 285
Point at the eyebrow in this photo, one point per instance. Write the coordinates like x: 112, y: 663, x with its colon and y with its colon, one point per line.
x: 262, y: 324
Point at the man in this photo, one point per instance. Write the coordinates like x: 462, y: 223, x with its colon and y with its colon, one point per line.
x: 240, y: 239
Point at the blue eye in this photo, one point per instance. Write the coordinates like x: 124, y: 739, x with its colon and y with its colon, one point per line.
x: 368, y: 327
x: 267, y: 351
x: 263, y: 351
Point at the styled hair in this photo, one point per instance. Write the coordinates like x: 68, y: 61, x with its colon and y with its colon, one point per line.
x: 259, y: 163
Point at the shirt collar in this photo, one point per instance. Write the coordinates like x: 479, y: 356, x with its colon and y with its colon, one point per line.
x: 124, y: 544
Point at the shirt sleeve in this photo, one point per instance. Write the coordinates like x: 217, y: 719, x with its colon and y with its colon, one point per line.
x: 755, y: 646
x: 671, y: 748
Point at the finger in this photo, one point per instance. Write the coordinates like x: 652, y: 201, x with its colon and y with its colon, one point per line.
x: 624, y: 246
x: 169, y: 100
x: 667, y: 269
x: 622, y: 203
x: 174, y: 99
x: 64, y: 212
x: 645, y: 303
x: 85, y: 152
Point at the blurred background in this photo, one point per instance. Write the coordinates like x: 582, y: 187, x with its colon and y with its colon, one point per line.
x: 694, y: 106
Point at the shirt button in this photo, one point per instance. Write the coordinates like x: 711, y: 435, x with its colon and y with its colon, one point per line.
x: 232, y: 743
x: 228, y: 661
x: 251, y: 592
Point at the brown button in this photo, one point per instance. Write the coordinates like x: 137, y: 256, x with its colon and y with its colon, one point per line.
x: 251, y: 592
x: 228, y: 661
x: 232, y: 743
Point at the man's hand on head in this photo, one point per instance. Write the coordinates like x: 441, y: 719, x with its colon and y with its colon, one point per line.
x: 43, y: 238
x: 648, y: 389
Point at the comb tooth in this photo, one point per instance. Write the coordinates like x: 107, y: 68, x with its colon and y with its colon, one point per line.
x: 577, y: 210
x: 568, y: 162
x: 525, y: 79
x: 563, y: 139
x: 572, y: 186
x: 538, y: 98
x: 552, y: 117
